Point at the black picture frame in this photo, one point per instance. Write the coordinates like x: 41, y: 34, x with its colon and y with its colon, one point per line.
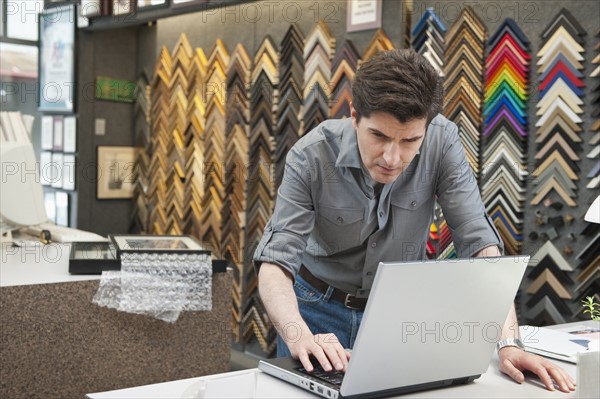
x: 92, y: 258
x: 56, y: 62
x: 159, y: 244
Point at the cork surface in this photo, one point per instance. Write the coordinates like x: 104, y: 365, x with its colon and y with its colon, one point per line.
x: 55, y: 343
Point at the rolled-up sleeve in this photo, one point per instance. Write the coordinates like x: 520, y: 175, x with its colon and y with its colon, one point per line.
x: 458, y: 194
x: 286, y: 234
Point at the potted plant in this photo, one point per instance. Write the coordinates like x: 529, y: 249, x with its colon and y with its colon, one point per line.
x: 591, y: 307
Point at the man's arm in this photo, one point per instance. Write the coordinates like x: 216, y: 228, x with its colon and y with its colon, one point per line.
x: 513, y: 361
x: 275, y: 285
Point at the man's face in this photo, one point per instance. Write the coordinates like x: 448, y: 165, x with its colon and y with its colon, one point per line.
x: 386, y: 145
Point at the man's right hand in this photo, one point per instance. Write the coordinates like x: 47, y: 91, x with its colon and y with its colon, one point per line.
x: 277, y: 293
x: 326, y: 348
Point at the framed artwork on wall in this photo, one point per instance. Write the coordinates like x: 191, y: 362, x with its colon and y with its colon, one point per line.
x: 143, y: 5
x: 92, y: 8
x: 123, y: 7
x: 115, y: 172
x: 363, y: 15
x: 186, y: 3
x: 57, y: 59
x: 115, y: 90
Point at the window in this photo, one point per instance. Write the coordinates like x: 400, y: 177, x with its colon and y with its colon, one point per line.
x: 21, y: 17
x: 19, y: 59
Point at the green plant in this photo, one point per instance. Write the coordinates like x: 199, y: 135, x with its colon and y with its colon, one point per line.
x: 591, y: 307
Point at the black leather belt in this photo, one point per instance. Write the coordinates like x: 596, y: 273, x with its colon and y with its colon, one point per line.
x: 350, y: 301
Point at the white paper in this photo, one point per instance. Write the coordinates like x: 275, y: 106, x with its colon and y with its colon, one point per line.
x: 45, y: 168
x: 70, y: 134
x: 554, y: 344
x: 47, y: 129
x: 57, y: 141
x: 62, y: 209
x: 50, y: 205
x: 68, y: 172
x: 57, y: 170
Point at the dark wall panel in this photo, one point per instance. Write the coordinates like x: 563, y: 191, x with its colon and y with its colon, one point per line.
x: 112, y: 54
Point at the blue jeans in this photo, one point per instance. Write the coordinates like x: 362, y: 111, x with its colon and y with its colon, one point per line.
x: 323, y: 315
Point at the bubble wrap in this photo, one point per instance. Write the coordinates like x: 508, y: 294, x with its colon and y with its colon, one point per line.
x: 158, y: 285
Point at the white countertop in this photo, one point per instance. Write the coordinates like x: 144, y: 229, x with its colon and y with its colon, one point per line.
x: 254, y: 383
x: 237, y: 384
x: 37, y: 264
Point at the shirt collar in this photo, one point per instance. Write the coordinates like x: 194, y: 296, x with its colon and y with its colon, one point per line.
x: 349, y: 155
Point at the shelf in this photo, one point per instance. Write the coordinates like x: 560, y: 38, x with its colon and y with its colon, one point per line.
x: 152, y: 14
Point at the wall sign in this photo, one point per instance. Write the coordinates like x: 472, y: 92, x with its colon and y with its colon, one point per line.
x: 363, y: 15
x: 57, y: 59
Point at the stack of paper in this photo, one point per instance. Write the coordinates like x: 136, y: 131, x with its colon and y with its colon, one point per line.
x: 558, y: 344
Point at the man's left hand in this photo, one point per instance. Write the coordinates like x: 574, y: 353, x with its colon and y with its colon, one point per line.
x: 513, y: 361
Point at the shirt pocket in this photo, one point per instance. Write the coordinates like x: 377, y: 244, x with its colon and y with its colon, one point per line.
x: 412, y: 213
x: 339, y: 228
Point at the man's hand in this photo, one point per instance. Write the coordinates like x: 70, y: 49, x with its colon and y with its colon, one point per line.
x: 513, y: 361
x: 277, y: 292
x: 326, y: 348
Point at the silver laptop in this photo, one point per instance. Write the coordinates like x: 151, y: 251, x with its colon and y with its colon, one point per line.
x: 427, y: 324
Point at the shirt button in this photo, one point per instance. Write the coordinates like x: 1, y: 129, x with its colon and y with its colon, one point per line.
x: 373, y: 245
x: 413, y: 204
x: 340, y: 219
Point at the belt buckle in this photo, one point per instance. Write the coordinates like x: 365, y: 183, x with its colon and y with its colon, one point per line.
x: 347, y: 302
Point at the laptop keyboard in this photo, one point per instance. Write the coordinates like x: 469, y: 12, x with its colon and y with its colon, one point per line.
x: 334, y: 377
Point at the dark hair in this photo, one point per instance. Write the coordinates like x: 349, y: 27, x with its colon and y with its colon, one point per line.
x: 400, y: 82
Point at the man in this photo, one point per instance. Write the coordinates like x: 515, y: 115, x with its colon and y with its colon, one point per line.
x: 361, y: 190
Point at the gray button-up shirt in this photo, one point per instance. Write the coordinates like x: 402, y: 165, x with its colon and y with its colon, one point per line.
x: 329, y: 217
